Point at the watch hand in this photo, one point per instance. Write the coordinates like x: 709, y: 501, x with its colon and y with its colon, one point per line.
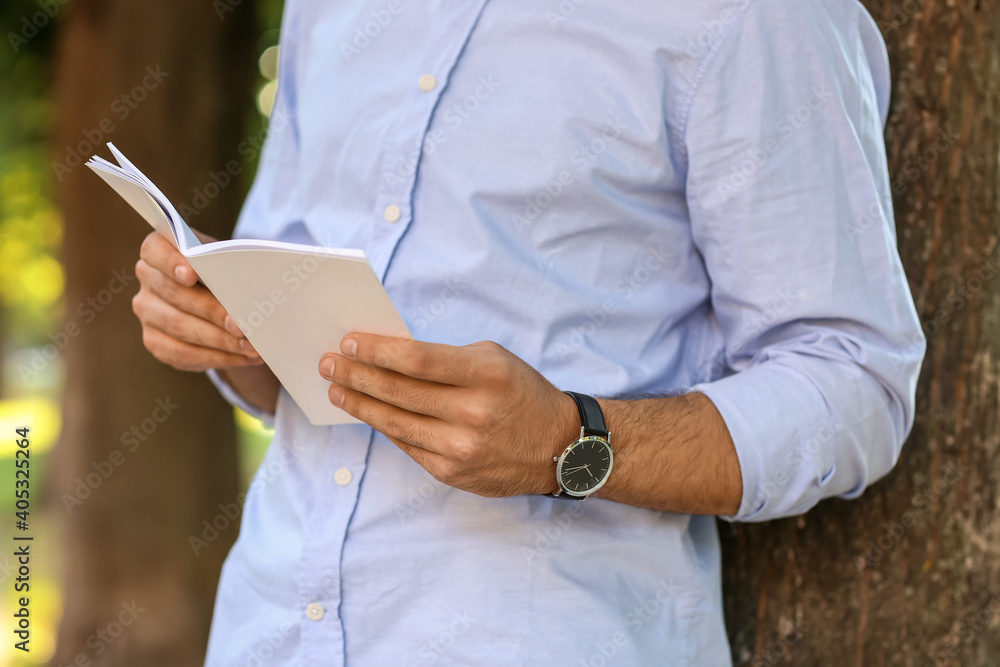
x: 569, y: 470
x: 588, y: 471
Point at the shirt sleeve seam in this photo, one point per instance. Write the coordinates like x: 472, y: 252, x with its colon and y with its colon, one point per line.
x: 709, y: 59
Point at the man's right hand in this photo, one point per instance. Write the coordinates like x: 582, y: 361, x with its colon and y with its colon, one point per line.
x: 183, y: 324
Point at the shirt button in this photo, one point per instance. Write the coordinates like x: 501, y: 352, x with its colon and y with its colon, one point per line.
x: 315, y: 611
x: 392, y: 213
x: 343, y: 477
x: 427, y: 82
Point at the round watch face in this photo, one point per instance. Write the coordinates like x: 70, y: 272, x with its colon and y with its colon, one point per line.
x: 585, y: 466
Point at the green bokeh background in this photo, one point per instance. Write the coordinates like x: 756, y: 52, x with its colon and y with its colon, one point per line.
x: 32, y: 304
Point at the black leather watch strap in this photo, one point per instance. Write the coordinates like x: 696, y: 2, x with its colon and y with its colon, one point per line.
x: 591, y: 416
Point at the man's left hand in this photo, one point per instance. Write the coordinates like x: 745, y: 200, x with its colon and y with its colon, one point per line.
x: 475, y: 417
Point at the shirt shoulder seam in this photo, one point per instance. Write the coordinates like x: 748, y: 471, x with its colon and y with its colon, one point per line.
x: 707, y: 61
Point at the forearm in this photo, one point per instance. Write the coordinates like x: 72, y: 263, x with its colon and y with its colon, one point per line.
x: 672, y: 454
x: 257, y: 385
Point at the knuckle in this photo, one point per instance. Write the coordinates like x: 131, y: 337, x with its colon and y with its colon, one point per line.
x: 392, y: 390
x: 463, y: 449
x: 448, y: 472
x: 216, y: 313
x: 496, y: 373
x: 148, y: 243
x: 169, y: 289
x: 405, y: 430
x: 139, y: 304
x: 417, y: 359
x: 474, y: 414
x: 383, y: 357
x: 148, y: 341
x: 358, y: 379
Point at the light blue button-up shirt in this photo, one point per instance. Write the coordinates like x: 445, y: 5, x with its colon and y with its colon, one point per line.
x: 635, y: 198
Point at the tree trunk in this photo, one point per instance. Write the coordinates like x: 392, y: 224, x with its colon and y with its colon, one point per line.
x: 909, y: 574
x: 147, y: 453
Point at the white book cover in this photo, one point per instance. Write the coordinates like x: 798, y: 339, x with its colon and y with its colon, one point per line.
x: 293, y: 302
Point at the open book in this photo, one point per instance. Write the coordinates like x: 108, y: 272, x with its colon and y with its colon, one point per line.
x: 293, y: 302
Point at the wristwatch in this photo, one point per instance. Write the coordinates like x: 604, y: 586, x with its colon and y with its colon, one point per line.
x: 584, y: 466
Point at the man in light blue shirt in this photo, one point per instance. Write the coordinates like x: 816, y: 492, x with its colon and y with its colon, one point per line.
x: 680, y: 207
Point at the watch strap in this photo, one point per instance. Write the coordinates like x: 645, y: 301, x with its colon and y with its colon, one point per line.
x: 591, y: 416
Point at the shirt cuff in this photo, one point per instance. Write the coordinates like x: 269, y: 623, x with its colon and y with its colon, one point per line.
x: 786, y: 438
x: 230, y: 395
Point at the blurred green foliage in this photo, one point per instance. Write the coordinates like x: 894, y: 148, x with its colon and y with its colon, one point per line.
x: 32, y: 281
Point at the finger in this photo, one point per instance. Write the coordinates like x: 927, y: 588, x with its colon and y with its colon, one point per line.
x: 188, y: 357
x: 196, y: 300
x: 159, y: 253
x: 155, y: 312
x: 410, y: 394
x: 427, y: 460
x: 445, y: 364
x: 394, y: 422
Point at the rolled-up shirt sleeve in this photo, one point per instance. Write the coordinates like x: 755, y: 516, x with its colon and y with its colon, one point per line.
x: 235, y: 399
x: 788, y: 194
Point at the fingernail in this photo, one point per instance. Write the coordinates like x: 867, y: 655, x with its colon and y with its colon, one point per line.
x: 248, y: 348
x: 337, y: 395
x: 181, y: 273
x: 326, y: 367
x: 349, y: 347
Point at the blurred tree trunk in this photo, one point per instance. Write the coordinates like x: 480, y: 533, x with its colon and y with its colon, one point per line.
x: 909, y: 574
x: 170, y: 84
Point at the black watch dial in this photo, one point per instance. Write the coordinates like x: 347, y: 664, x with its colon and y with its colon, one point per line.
x: 585, y: 466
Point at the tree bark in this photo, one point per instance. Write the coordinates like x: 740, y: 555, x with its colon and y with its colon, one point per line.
x: 148, y: 453
x: 851, y: 583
